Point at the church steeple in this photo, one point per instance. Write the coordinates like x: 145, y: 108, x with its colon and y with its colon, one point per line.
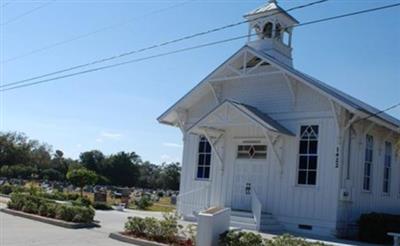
x: 273, y: 28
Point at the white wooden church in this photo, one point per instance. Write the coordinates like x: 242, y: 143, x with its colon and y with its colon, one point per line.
x: 282, y: 149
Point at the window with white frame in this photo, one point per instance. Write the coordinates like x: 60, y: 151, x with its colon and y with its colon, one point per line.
x: 203, y: 159
x: 308, y: 155
x: 369, y: 147
x: 387, y: 167
x: 252, y: 152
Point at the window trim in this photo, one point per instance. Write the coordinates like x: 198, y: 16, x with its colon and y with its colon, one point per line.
x: 371, y: 164
x: 196, y: 178
x: 317, y: 154
x: 389, y: 179
x: 251, y: 144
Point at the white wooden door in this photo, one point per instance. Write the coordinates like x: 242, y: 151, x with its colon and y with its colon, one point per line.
x: 249, y: 174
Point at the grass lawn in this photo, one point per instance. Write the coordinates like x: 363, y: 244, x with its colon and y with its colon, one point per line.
x: 163, y: 205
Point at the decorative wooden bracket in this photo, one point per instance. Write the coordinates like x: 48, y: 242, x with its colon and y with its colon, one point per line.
x: 214, y: 148
x: 182, y: 117
x: 272, y: 142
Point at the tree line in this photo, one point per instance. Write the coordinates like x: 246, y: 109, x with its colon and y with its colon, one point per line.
x: 21, y: 157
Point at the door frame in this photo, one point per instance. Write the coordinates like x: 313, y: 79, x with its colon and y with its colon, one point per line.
x: 236, y: 160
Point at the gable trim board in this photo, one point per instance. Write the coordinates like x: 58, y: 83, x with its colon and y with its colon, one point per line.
x: 252, y: 114
x: 350, y: 103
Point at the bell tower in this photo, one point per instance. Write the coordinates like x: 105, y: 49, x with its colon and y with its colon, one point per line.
x: 270, y: 31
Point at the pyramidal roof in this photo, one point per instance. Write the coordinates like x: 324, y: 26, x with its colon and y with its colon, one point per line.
x: 272, y: 7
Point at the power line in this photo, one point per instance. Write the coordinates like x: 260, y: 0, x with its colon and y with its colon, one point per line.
x: 26, y: 13
x: 348, y: 14
x: 378, y: 112
x: 153, y: 46
x: 14, y: 84
x: 126, y: 62
x: 84, y: 35
x: 5, y: 4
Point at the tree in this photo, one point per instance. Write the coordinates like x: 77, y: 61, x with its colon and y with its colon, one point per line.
x: 122, y: 168
x: 149, y: 175
x: 52, y: 174
x: 81, y: 177
x: 170, y: 176
x: 92, y: 160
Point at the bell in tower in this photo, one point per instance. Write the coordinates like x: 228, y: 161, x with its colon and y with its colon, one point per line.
x: 270, y: 30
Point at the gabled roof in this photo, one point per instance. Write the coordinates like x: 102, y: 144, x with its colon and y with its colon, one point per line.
x: 339, y: 95
x: 252, y: 113
x: 333, y: 93
x: 264, y: 117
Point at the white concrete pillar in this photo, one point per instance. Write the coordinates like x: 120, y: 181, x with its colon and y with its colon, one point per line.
x: 211, y: 224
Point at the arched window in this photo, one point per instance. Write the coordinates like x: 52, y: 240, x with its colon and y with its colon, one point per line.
x: 267, y: 30
x: 278, y: 31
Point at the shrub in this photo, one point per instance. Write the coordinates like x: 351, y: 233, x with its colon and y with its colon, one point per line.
x: 65, y: 213
x: 240, y: 238
x: 82, y: 214
x: 51, y: 210
x: 289, y: 240
x: 30, y: 207
x: 143, y: 203
x: 102, y: 206
x: 82, y: 201
x: 44, y: 207
x: 165, y: 231
x: 373, y: 227
x: 17, y: 201
x: 135, y: 225
x: 6, y: 189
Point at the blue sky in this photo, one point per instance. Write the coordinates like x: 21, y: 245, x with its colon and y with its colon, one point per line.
x: 116, y: 109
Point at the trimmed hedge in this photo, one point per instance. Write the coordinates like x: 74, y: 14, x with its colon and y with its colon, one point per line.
x: 102, y: 206
x: 44, y: 207
x: 242, y: 238
x: 373, y: 227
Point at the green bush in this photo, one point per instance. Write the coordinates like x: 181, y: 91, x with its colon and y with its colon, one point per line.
x: 289, y: 240
x: 61, y: 196
x: 136, y: 226
x: 6, y: 189
x: 373, y: 227
x: 165, y: 231
x: 44, y: 207
x: 143, y: 203
x: 82, y: 201
x: 30, y: 207
x: 102, y: 206
x: 240, y: 238
x: 51, y: 210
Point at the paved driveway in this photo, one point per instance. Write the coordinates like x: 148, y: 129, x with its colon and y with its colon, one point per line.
x: 16, y: 231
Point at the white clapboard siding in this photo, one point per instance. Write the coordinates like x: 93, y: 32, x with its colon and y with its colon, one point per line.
x: 375, y: 200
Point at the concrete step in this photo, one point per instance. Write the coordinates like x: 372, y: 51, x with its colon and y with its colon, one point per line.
x: 242, y: 225
x: 242, y: 219
x: 238, y: 213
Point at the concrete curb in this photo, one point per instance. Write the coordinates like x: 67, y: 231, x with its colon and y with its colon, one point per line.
x: 65, y: 224
x: 136, y: 241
